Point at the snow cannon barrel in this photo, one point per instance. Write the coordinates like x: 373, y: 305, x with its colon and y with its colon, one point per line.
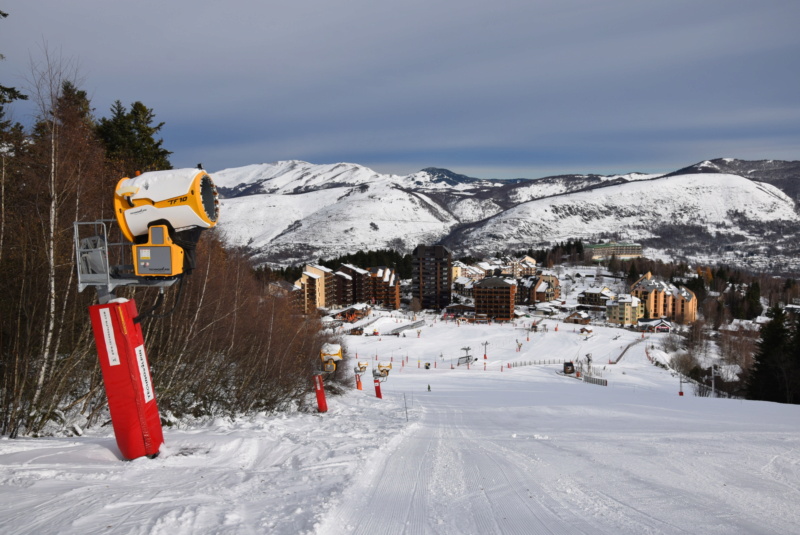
x: 163, y: 214
x: 185, y: 198
x: 330, y: 355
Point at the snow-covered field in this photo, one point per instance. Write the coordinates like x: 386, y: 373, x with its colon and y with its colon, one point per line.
x: 523, y: 450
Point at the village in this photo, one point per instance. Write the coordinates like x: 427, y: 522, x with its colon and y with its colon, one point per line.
x: 496, y: 290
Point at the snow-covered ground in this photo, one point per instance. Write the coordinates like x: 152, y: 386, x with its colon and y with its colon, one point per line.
x: 522, y: 450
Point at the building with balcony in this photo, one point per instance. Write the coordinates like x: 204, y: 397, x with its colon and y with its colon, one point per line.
x: 604, y: 251
x: 494, y: 298
x: 625, y: 310
x: 431, y: 276
x: 385, y: 287
x: 665, y: 300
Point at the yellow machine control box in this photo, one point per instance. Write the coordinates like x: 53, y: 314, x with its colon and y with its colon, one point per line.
x: 159, y: 257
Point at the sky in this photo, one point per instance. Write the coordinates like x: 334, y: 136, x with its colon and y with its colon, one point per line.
x: 500, y: 89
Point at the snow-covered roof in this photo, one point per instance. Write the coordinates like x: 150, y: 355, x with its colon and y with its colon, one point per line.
x: 356, y: 269
x: 624, y: 298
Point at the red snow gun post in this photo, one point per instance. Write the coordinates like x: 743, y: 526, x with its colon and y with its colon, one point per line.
x: 330, y: 355
x: 360, y: 369
x: 151, y: 243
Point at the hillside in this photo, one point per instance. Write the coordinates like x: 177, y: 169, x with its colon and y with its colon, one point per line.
x: 292, y: 212
x: 522, y: 450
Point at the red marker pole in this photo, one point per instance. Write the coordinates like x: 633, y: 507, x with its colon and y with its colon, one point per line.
x: 321, y: 402
x: 378, y: 389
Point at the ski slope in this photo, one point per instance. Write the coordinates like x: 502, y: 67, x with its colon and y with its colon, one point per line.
x: 522, y: 450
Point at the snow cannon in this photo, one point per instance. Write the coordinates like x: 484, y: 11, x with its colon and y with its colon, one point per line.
x: 163, y: 214
x: 361, y: 367
x: 382, y: 370
x: 330, y: 355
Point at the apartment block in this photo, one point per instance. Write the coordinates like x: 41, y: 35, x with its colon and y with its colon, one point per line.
x: 665, y: 300
x: 431, y: 276
x: 494, y: 298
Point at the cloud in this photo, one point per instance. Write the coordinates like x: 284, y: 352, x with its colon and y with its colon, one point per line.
x: 507, y: 85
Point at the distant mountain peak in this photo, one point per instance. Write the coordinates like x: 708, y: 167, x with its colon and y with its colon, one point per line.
x: 446, y: 176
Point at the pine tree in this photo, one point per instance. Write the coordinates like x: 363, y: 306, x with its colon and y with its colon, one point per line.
x: 9, y: 94
x: 633, y: 275
x: 793, y: 363
x: 130, y: 139
x: 774, y: 374
x: 752, y: 301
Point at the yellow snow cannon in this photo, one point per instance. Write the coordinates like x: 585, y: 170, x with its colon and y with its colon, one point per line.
x: 163, y: 214
x: 330, y: 355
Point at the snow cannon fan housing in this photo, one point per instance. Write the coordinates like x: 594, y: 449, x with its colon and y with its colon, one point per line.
x: 163, y: 213
x: 330, y: 355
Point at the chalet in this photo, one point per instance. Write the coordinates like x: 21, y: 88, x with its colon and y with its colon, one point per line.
x: 457, y: 310
x: 654, y: 325
x: 578, y: 317
x: 547, y: 288
x: 353, y: 313
x: 596, y: 297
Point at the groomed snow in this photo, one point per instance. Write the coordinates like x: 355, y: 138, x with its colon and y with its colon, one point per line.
x: 523, y: 450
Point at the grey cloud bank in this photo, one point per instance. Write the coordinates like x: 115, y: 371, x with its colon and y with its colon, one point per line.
x: 508, y: 89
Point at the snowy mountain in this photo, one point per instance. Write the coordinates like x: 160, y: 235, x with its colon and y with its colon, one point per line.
x: 725, y: 210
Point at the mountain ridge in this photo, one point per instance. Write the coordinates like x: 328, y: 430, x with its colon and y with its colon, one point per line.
x: 293, y: 212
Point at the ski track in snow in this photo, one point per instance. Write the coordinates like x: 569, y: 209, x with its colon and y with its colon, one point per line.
x: 522, y: 451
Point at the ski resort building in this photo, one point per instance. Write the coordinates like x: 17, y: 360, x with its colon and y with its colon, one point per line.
x: 310, y: 286
x: 430, y: 276
x: 344, y: 288
x: 664, y: 300
x: 385, y: 286
x: 604, y: 251
x: 625, y: 310
x: 596, y: 297
x: 494, y: 298
x: 360, y: 280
